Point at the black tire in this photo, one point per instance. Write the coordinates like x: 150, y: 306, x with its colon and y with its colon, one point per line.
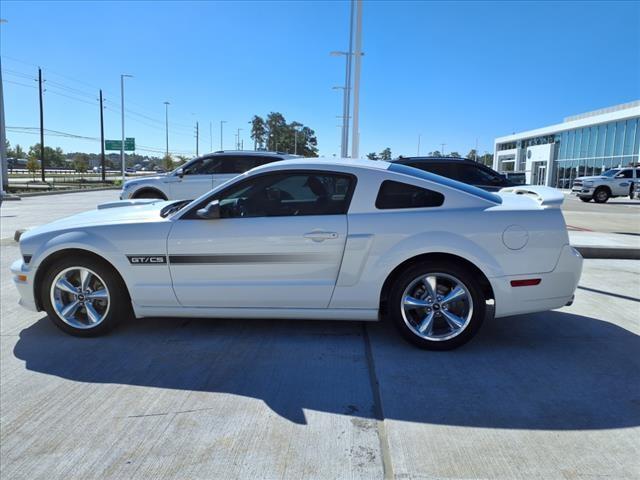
x: 150, y: 194
x: 462, y: 274
x: 585, y: 199
x: 119, y: 302
x: 601, y: 195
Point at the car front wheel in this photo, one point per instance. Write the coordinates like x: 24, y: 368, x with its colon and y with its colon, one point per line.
x: 437, y: 305
x: 601, y: 195
x: 84, y: 297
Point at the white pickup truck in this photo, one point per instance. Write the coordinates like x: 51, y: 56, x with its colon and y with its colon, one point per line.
x: 617, y: 182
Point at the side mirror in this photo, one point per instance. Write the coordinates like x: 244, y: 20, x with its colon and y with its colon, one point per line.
x: 180, y: 172
x: 211, y: 211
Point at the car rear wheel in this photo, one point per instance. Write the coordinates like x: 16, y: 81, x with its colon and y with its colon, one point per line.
x: 437, y: 305
x: 601, y: 195
x: 84, y: 297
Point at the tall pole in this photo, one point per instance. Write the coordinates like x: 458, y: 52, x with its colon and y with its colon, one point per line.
x: 102, y: 162
x: 295, y: 141
x: 166, y: 125
x: 4, y: 179
x: 211, y: 136
x: 222, y: 122
x: 355, y: 132
x: 347, y: 85
x: 197, y: 139
x: 122, y: 163
x: 42, y: 160
x: 442, y: 151
x: 238, y: 140
x: 419, y: 135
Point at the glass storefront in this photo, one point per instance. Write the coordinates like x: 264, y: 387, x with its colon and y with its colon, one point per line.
x: 592, y: 150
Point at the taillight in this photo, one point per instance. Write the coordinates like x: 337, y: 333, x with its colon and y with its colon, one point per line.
x: 528, y: 282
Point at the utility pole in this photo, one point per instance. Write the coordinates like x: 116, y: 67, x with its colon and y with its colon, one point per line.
x: 197, y: 139
x: 355, y: 134
x: 41, y: 126
x: 222, y: 122
x: 166, y: 124
x: 295, y: 141
x: 102, y: 162
x: 419, y: 135
x: 211, y: 136
x: 4, y: 178
x: 122, y: 77
x: 238, y: 139
x: 442, y: 151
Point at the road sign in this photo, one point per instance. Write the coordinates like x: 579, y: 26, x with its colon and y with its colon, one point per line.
x: 129, y: 144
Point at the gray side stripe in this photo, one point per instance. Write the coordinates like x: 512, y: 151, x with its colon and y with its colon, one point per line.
x: 250, y: 258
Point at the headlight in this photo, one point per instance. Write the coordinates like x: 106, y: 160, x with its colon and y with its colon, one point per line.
x: 588, y: 183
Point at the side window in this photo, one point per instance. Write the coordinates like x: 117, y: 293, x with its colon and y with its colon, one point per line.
x: 237, y: 164
x: 441, y: 169
x: 628, y: 173
x: 402, y: 195
x: 205, y: 166
x: 291, y: 194
x: 264, y: 160
x: 475, y: 175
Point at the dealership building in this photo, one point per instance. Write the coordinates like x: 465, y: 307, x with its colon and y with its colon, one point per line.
x: 585, y: 144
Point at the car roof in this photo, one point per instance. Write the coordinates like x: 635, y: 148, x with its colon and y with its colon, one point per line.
x: 434, y: 159
x: 251, y: 153
x: 324, y: 162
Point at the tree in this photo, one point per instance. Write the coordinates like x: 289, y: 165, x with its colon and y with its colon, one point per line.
x: 258, y: 131
x: 487, y: 159
x: 33, y: 165
x: 19, y: 152
x: 182, y: 159
x: 473, y: 154
x: 385, y: 154
x: 454, y: 155
x: 435, y: 153
x: 53, y: 158
x: 167, y: 162
x: 81, y: 162
x: 373, y: 156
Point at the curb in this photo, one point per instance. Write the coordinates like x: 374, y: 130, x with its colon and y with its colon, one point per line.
x: 38, y: 194
x: 611, y: 253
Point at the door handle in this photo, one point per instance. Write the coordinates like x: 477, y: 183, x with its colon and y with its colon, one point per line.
x: 318, y: 236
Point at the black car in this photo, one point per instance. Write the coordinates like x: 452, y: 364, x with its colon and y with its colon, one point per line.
x: 461, y: 169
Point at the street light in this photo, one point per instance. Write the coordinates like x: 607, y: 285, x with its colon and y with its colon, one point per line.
x: 346, y: 101
x: 238, y: 139
x: 221, y: 124
x: 122, y: 77
x: 166, y: 122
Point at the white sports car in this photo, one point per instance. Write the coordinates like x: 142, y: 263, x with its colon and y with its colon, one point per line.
x: 309, y: 239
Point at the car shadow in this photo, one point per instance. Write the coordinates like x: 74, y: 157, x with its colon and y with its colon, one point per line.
x: 545, y: 371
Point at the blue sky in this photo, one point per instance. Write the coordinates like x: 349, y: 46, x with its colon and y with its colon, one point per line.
x: 450, y: 72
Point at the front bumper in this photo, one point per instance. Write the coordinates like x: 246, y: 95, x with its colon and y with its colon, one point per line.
x: 555, y: 290
x: 582, y: 191
x: 125, y: 194
x: 23, y: 280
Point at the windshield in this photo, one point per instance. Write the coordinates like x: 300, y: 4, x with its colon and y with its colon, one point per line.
x: 611, y: 173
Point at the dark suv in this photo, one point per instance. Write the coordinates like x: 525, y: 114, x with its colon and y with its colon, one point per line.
x: 461, y: 169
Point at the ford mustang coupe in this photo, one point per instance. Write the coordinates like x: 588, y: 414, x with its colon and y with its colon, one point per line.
x: 309, y: 239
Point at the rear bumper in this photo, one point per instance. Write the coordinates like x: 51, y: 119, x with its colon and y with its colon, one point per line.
x: 20, y: 270
x: 555, y: 290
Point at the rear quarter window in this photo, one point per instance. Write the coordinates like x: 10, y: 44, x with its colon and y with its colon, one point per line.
x: 403, y: 195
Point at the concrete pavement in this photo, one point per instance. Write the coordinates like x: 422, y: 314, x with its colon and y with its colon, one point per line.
x: 551, y: 395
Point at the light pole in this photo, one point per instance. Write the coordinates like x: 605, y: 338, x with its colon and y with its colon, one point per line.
x: 355, y: 134
x: 122, y: 77
x: 166, y: 124
x: 222, y: 122
x: 442, y: 151
x: 238, y: 139
x: 419, y: 135
x: 346, y: 100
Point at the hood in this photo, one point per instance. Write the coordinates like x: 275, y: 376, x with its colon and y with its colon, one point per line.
x: 145, y: 179
x: 594, y: 177
x: 138, y: 212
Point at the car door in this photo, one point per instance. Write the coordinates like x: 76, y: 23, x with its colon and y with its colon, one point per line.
x: 197, y: 179
x: 622, y: 182
x: 278, y: 244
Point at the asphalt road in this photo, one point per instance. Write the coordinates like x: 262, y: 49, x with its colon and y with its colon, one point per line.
x: 551, y: 395
x: 618, y: 215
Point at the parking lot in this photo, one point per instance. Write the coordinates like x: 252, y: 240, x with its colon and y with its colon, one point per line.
x: 549, y: 395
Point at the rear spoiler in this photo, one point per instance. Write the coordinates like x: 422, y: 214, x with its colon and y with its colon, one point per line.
x: 547, y: 197
x: 128, y: 203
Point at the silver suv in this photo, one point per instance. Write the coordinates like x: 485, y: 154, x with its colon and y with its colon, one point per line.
x: 617, y: 182
x: 199, y: 175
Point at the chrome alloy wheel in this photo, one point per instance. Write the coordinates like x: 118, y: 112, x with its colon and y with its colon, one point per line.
x: 437, y: 306
x: 80, y: 297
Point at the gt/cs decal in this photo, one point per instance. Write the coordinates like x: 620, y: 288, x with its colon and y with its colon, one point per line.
x: 147, y: 259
